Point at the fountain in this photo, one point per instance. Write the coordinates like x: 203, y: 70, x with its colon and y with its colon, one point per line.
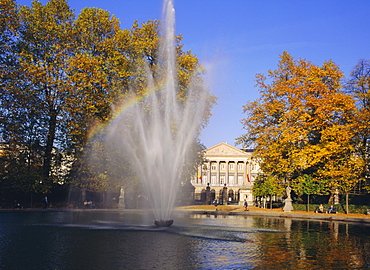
x: 157, y: 132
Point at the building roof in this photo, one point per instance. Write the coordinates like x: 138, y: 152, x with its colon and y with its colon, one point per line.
x: 225, y: 150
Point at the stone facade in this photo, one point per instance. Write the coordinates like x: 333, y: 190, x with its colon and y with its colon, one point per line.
x: 226, y: 175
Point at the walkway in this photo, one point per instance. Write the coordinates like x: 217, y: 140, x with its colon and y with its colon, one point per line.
x: 278, y: 212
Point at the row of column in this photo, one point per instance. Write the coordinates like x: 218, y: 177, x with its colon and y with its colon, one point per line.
x: 206, y: 170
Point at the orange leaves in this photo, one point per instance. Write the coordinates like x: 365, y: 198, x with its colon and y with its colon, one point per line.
x: 67, y: 72
x: 8, y: 18
x: 302, y: 119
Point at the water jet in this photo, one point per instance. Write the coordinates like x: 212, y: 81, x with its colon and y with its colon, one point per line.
x: 158, y: 131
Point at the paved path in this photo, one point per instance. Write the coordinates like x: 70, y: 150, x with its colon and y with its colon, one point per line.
x: 255, y: 211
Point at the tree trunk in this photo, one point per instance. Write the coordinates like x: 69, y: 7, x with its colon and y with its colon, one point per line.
x: 331, y: 198
x: 49, y: 147
x: 31, y: 203
x: 270, y: 201
x: 308, y: 202
x: 347, y: 208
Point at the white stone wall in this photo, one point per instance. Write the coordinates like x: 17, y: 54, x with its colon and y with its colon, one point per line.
x: 225, y: 164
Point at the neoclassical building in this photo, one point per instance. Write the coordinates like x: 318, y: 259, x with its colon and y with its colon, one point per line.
x: 227, y: 175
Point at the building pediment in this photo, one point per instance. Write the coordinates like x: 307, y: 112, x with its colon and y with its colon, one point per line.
x: 224, y: 149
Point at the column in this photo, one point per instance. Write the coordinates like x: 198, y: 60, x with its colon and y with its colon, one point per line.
x: 218, y: 173
x: 236, y: 180
x: 245, y: 173
x: 227, y: 173
x: 209, y: 172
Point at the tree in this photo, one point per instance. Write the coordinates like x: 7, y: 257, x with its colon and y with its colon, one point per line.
x: 95, y: 73
x: 127, y: 70
x: 302, y: 120
x: 8, y: 36
x: 8, y: 67
x: 307, y: 185
x: 343, y: 171
x: 358, y: 85
x: 46, y: 41
x: 267, y: 186
x: 61, y: 76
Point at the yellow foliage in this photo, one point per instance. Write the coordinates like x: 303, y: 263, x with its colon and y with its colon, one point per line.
x: 303, y: 123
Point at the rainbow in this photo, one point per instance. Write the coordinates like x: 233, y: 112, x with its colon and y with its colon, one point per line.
x: 125, y: 102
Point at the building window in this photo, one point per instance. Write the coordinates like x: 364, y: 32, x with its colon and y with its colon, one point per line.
x: 240, y: 166
x: 231, y: 166
x: 213, y: 167
x: 240, y: 180
x: 213, y: 179
x: 231, y: 180
x: 222, y: 179
x: 204, y: 179
x: 222, y: 166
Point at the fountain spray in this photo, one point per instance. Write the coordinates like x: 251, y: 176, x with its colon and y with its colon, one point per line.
x: 158, y: 131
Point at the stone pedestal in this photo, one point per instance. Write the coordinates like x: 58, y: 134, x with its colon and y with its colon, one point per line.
x: 121, y: 199
x: 246, y: 193
x: 288, y: 207
x: 224, y: 195
x: 208, y: 194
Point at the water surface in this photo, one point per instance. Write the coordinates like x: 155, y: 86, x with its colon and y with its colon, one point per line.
x: 127, y: 240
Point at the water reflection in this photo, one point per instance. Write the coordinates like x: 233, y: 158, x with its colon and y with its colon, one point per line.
x: 114, y: 240
x: 311, y: 244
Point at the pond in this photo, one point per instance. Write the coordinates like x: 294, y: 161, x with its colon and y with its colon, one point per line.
x: 127, y: 240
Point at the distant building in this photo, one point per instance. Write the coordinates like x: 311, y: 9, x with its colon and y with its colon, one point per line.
x: 226, y: 175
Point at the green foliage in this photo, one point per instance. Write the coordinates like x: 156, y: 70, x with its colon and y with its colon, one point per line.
x: 307, y: 185
x: 267, y: 186
x: 60, y: 74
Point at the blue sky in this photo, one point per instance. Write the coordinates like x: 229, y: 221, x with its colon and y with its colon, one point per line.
x: 236, y: 39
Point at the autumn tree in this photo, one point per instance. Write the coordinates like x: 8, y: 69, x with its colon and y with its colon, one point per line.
x: 23, y: 156
x: 94, y: 73
x: 8, y: 66
x: 344, y: 171
x: 125, y: 72
x: 61, y: 76
x: 358, y: 85
x: 46, y: 41
x: 8, y: 37
x: 302, y: 122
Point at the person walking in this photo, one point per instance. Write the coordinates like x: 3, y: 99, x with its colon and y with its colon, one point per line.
x: 245, y: 205
x: 46, y: 202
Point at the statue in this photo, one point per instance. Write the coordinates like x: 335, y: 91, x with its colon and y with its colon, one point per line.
x: 288, y: 190
x: 288, y: 207
x: 121, y: 199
